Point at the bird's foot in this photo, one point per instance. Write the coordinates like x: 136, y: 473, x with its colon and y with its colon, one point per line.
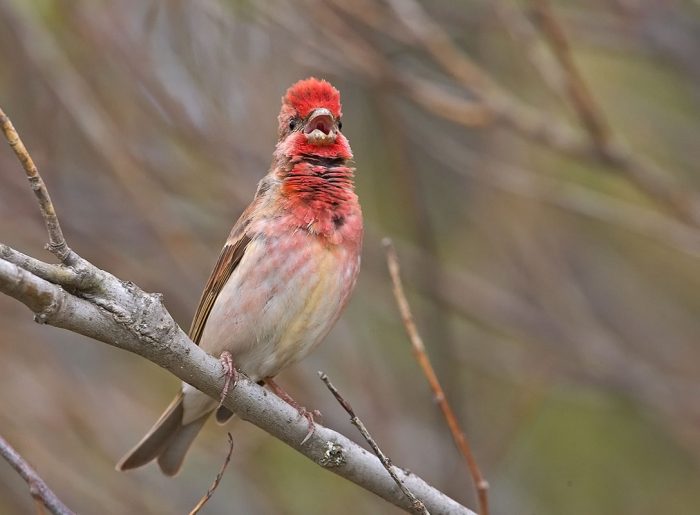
x: 231, y: 375
x: 303, y: 412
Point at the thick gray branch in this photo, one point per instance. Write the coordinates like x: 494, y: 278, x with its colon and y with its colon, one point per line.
x: 120, y: 314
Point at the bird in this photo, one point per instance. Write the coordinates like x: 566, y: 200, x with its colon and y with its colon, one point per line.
x: 285, y: 273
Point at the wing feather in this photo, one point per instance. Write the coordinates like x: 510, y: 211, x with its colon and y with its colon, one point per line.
x: 230, y: 256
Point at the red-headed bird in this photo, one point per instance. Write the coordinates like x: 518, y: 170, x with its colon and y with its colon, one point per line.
x: 285, y: 272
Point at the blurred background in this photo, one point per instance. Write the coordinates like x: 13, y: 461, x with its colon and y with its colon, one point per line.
x: 536, y: 165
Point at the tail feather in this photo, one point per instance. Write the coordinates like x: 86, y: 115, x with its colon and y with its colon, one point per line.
x: 168, y: 440
x: 223, y: 414
x: 171, y: 457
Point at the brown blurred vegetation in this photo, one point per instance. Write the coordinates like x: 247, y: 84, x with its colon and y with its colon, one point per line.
x: 553, y: 270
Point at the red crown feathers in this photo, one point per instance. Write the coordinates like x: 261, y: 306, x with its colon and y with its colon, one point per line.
x: 311, y: 93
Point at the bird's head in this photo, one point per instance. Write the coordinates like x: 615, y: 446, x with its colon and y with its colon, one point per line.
x: 310, y: 121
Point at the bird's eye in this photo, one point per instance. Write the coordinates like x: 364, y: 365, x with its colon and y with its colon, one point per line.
x: 340, y: 125
x: 293, y: 123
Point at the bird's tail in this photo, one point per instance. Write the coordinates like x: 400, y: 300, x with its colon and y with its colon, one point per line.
x: 168, y: 440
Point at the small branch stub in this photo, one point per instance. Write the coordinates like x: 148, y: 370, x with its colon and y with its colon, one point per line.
x: 417, y: 504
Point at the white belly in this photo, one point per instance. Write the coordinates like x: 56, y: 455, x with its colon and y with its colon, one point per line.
x: 279, y: 303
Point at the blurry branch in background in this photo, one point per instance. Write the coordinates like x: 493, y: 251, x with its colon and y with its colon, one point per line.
x: 39, y: 490
x: 421, y: 356
x: 585, y: 105
x: 551, y: 132
x: 418, y: 506
x: 486, y: 102
x: 561, y: 194
x: 205, y: 498
x: 432, y: 97
x: 119, y: 313
x: 523, y: 33
x: 44, y: 53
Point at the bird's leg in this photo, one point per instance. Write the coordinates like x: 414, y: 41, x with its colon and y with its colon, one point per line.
x: 231, y: 375
x: 308, y: 415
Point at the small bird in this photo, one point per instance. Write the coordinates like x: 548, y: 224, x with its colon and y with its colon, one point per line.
x: 285, y: 273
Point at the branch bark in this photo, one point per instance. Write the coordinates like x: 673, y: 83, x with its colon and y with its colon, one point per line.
x: 38, y: 489
x: 139, y: 323
x: 418, y: 506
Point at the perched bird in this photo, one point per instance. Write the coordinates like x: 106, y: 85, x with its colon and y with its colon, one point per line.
x: 285, y: 273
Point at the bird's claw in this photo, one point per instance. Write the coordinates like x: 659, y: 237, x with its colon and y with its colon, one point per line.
x: 230, y: 373
x: 309, y: 416
x: 303, y: 412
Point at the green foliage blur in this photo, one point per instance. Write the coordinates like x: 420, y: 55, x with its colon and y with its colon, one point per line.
x: 558, y: 300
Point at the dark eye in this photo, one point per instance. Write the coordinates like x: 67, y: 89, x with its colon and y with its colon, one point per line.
x: 293, y: 123
x: 340, y: 125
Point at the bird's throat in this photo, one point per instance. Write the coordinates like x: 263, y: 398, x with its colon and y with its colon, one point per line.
x: 320, y: 192
x: 323, y: 183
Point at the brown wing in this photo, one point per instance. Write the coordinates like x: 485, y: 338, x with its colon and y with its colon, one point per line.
x: 228, y: 261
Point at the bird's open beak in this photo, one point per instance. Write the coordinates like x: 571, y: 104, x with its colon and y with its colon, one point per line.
x: 321, y: 127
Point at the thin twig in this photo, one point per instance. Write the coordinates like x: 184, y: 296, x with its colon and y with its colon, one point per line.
x: 586, y: 107
x: 37, y: 488
x: 418, y: 506
x: 57, y: 243
x: 460, y: 439
x: 524, y: 35
x: 217, y: 480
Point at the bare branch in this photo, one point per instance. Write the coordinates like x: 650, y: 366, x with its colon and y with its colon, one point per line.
x: 217, y: 480
x: 445, y: 105
x: 524, y: 34
x: 419, y: 352
x: 562, y: 194
x: 58, y: 274
x: 418, y: 506
x: 38, y: 489
x: 57, y: 243
x: 143, y: 326
x: 586, y: 107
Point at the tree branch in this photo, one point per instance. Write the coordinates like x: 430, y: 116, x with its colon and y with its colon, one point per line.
x: 460, y: 439
x: 38, y: 489
x: 418, y: 506
x: 57, y: 243
x: 143, y: 326
x: 586, y: 107
x: 205, y: 498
